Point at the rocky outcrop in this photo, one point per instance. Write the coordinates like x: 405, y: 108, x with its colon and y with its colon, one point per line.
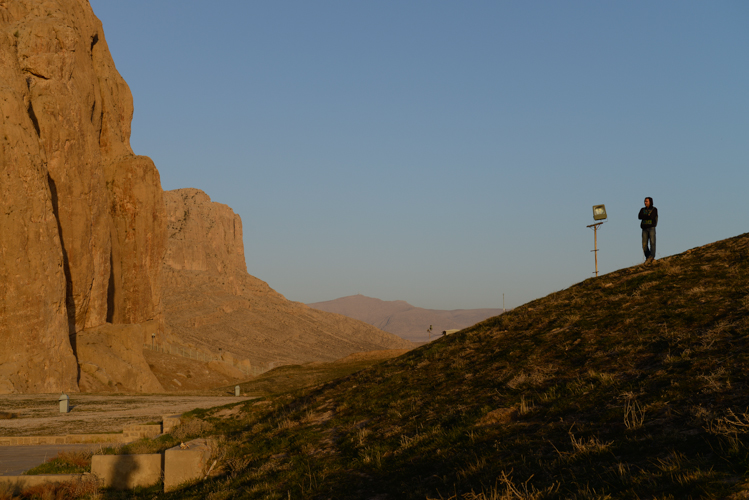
x: 212, y: 303
x: 82, y: 221
x: 203, y: 235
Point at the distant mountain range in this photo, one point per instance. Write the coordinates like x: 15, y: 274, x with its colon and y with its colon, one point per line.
x: 403, y: 319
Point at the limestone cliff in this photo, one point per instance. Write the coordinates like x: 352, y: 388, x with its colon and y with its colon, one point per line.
x: 83, y: 231
x: 81, y: 217
x: 211, y: 302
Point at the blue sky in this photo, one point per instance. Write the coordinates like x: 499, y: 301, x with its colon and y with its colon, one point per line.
x: 444, y: 153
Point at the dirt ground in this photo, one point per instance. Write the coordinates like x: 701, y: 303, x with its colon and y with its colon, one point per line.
x: 200, y: 387
x: 39, y: 414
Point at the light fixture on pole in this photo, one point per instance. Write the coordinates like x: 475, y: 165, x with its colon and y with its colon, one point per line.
x: 599, y: 213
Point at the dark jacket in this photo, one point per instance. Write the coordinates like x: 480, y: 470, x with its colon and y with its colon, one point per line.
x: 648, y: 216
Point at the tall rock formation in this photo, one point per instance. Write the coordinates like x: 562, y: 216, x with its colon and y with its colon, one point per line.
x: 211, y: 302
x: 82, y: 220
x: 83, y: 231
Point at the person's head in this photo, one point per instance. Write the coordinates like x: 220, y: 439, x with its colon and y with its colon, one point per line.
x: 648, y: 202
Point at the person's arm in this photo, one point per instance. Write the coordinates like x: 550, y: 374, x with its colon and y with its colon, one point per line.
x: 654, y: 216
x: 641, y: 215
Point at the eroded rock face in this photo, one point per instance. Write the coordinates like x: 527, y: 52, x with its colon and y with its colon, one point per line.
x: 111, y: 359
x: 82, y: 226
x: 203, y: 235
x: 138, y: 220
x: 211, y: 302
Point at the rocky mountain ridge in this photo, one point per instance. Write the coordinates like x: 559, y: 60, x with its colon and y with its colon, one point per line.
x: 403, y: 319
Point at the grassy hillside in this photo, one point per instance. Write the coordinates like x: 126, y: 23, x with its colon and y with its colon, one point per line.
x: 629, y: 385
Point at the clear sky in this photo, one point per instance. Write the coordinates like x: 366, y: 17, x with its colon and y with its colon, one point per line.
x: 444, y: 153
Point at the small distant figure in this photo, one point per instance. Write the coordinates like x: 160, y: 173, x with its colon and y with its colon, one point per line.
x: 649, y: 217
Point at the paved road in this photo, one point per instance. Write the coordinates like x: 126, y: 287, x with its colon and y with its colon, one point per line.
x: 14, y: 460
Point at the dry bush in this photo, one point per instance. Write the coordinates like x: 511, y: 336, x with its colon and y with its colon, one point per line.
x: 647, y: 285
x: 80, y: 458
x: 191, y: 427
x: 592, y: 445
x: 286, y: 423
x: 634, y: 414
x: 361, y: 435
x: 87, y: 488
x: 235, y: 465
x: 371, y: 455
x: 472, y: 468
x: 697, y: 290
x: 671, y: 269
x: 534, y: 378
x: 713, y: 382
x: 5, y: 415
x: 571, y: 319
x: 525, y: 406
x: 604, y: 378
x: 729, y: 427
x: 623, y: 469
x: 507, y: 489
x: 730, y: 424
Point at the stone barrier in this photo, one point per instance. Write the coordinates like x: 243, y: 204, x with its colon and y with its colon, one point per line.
x: 123, y: 472
x: 135, y: 432
x: 169, y: 422
x: 129, y: 434
x: 186, y: 462
x: 67, y: 439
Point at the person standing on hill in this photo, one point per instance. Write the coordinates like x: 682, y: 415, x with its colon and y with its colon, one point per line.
x: 649, y: 217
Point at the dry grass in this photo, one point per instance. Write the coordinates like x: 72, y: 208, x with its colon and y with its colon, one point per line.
x: 65, y: 462
x: 506, y: 489
x: 191, y: 427
x: 590, y: 446
x: 86, y: 488
x: 634, y: 414
x: 637, y: 405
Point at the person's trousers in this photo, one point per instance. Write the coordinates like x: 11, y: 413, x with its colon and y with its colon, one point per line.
x: 648, y: 236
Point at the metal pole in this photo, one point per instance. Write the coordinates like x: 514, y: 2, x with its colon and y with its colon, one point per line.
x: 595, y: 246
x: 595, y: 242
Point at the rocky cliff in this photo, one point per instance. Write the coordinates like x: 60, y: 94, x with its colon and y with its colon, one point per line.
x: 81, y: 216
x: 83, y: 230
x: 211, y: 302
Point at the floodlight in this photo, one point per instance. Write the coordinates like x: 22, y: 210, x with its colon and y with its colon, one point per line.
x: 599, y: 212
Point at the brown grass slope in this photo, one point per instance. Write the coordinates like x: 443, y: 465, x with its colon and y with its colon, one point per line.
x: 629, y: 385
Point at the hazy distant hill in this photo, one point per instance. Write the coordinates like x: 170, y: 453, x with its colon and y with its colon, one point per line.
x: 403, y: 319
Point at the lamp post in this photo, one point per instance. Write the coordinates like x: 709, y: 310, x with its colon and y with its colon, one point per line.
x: 599, y: 213
x: 153, y: 338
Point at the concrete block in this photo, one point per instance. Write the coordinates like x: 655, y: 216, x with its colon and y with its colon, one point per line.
x: 186, y: 462
x: 169, y: 422
x: 127, y: 471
